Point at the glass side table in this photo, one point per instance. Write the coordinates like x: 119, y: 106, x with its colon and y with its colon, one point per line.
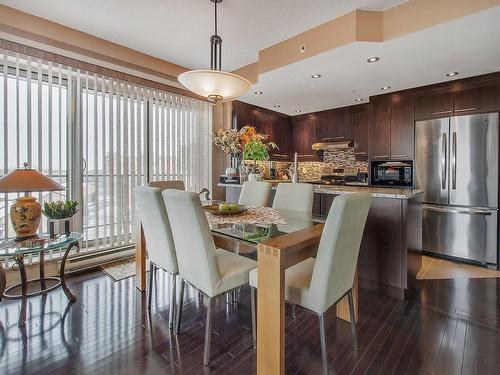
x: 38, y: 246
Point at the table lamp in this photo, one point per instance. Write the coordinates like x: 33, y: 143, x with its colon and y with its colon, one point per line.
x: 26, y: 211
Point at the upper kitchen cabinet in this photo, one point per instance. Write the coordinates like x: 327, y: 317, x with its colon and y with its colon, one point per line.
x: 276, y: 125
x: 325, y: 127
x: 402, y: 128
x: 433, y: 105
x: 361, y: 120
x: 304, y: 135
x: 380, y: 128
x: 335, y: 125
x: 477, y: 100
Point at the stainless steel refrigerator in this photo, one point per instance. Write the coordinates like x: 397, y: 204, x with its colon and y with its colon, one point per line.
x: 457, y: 165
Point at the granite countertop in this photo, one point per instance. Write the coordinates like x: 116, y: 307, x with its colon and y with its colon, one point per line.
x: 377, y: 192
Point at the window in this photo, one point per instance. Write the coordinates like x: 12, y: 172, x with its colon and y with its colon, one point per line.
x: 100, y: 137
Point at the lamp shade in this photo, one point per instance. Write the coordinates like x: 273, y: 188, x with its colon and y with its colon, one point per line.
x: 214, y: 84
x: 27, y: 180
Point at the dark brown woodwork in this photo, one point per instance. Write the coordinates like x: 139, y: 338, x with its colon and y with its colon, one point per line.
x: 433, y: 105
x: 361, y: 122
x: 380, y: 129
x: 304, y: 135
x: 477, y: 100
x: 343, y: 129
x: 325, y: 128
x: 402, y: 128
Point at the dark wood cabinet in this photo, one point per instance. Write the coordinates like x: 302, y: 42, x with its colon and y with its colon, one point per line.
x: 380, y: 129
x: 304, y: 135
x: 361, y: 121
x: 477, y: 100
x: 433, y: 105
x: 274, y: 124
x: 343, y: 127
x: 325, y: 127
x: 402, y: 128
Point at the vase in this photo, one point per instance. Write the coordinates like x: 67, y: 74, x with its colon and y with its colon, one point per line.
x: 60, y: 226
x: 25, y: 216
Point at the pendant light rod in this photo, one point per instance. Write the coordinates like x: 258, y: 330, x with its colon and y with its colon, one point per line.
x: 215, y: 44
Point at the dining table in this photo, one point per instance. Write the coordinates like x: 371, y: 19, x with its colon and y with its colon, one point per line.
x: 277, y: 239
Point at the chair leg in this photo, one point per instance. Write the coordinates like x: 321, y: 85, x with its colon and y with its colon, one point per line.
x: 353, y: 320
x: 151, y: 276
x: 171, y: 313
x: 322, y: 339
x: 253, y: 293
x: 179, y: 307
x: 208, y: 332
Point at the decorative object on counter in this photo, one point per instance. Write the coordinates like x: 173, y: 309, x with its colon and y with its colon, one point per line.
x: 295, y: 175
x: 215, y: 84
x: 256, y: 149
x: 25, y: 213
x: 59, y: 216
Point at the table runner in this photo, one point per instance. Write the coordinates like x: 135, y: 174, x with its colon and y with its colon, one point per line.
x: 254, y: 215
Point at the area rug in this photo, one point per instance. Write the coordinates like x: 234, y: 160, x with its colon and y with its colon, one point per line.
x: 120, y: 270
x: 435, y: 269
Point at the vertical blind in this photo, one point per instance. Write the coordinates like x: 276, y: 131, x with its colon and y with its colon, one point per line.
x: 100, y: 137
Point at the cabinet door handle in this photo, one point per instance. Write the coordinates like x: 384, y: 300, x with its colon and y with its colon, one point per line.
x: 442, y: 112
x: 306, y: 156
x: 326, y: 139
x: 339, y: 137
x: 465, y: 109
x: 399, y: 155
x: 360, y: 153
x: 380, y: 156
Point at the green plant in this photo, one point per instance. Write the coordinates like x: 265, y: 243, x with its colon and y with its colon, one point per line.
x: 257, y: 150
x: 60, y: 209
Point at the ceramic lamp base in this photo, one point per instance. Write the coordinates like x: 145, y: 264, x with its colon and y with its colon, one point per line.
x: 25, y: 216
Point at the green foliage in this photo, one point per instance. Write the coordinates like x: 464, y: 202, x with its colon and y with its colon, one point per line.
x: 257, y: 150
x: 60, y: 209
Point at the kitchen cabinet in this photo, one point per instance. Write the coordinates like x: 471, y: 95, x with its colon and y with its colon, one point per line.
x: 380, y: 129
x: 304, y: 135
x: 361, y: 120
x: 477, y: 100
x: 335, y: 125
x: 274, y: 124
x: 325, y: 127
x: 402, y: 128
x: 433, y: 105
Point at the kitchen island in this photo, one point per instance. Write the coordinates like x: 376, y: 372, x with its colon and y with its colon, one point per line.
x: 390, y: 254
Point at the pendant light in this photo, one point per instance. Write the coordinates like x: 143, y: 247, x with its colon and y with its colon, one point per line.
x: 215, y: 84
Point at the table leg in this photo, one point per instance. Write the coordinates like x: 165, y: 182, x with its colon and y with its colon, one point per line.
x: 19, y: 259
x: 68, y: 293
x: 270, y: 311
x: 343, y: 304
x: 3, y: 281
x: 140, y: 258
x: 41, y: 267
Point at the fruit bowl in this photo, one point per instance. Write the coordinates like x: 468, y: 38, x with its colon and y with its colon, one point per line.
x: 225, y: 209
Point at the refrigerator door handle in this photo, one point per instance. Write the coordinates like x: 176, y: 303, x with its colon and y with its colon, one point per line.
x: 454, y: 161
x: 444, y: 162
x: 469, y: 211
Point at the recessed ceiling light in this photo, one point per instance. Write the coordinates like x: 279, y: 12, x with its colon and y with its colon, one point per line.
x: 258, y: 92
x: 451, y: 74
x: 373, y: 59
x: 359, y: 99
x: 316, y: 76
x: 276, y: 106
x: 385, y: 88
x: 298, y: 111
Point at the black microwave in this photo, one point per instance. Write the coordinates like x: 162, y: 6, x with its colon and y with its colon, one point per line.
x: 392, y: 173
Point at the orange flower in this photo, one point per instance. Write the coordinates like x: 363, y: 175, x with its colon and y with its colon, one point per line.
x: 247, y: 134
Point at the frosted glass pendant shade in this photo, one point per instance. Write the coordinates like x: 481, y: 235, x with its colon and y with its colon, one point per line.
x: 214, y: 85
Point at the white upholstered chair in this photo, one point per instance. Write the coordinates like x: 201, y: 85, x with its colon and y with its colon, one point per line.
x: 255, y: 194
x: 317, y: 284
x: 294, y: 197
x: 159, y: 240
x: 210, y: 270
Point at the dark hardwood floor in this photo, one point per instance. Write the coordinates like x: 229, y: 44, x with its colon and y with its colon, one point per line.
x: 452, y: 327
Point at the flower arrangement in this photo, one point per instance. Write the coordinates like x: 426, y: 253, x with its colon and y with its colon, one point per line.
x: 247, y: 141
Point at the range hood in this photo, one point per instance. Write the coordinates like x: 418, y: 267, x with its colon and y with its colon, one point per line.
x: 332, y: 146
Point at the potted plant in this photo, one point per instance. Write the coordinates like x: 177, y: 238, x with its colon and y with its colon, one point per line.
x: 257, y: 149
x: 59, y: 216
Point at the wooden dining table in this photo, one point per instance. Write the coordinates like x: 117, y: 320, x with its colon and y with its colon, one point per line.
x: 276, y: 247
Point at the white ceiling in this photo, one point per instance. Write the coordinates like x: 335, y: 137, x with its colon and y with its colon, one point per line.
x: 179, y: 30
x: 469, y: 45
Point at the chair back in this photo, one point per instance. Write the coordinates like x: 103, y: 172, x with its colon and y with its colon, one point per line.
x: 294, y: 197
x: 156, y: 226
x: 255, y: 194
x: 338, y: 250
x: 193, y: 239
x: 171, y: 184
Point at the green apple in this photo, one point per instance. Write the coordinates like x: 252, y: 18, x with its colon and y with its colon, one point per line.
x: 224, y: 207
x: 233, y: 207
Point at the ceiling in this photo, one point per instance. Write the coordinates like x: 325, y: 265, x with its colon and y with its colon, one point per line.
x: 179, y: 30
x: 468, y: 45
